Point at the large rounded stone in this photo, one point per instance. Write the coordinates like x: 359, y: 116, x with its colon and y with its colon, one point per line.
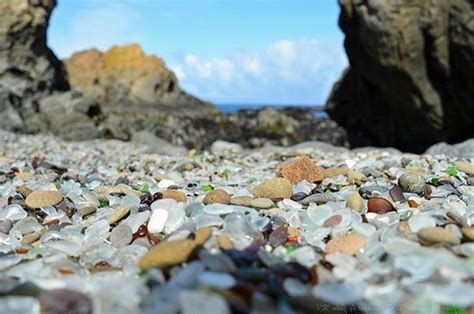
x: 468, y: 233
x: 348, y: 244
x: 218, y: 196
x: 355, y: 202
x: 167, y: 254
x: 437, y: 235
x: 274, y: 189
x: 411, y: 182
x: 39, y: 199
x: 301, y: 168
x: 178, y: 196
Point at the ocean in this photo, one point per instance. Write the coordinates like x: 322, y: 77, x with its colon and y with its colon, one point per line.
x: 231, y: 108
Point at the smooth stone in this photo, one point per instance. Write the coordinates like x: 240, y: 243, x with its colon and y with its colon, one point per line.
x: 218, y: 196
x: 157, y: 221
x: 466, y: 249
x: 31, y: 237
x: 5, y: 226
x: 299, y: 169
x: 319, y: 198
x: 455, y: 230
x: 417, y: 223
x: 241, y: 200
x: 39, y: 199
x: 411, y: 183
x: 216, y: 280
x: 305, y: 256
x: 27, y: 225
x: 178, y: 196
x: 437, y: 235
x: 121, y: 236
x: 372, y: 190
x: 12, y: 212
x: 136, y: 220
x: 167, y: 254
x: 468, y: 233
x: 143, y: 241
x: 318, y: 214
x: 404, y: 229
x: 202, y: 235
x: 355, y: 175
x: 224, y: 242
x: 65, y: 301
x: 347, y: 243
x: 274, y: 189
x: 364, y: 229
x: 262, y: 203
x: 335, y: 172
x: 219, y: 209
x: 87, y: 210
x: 355, y: 202
x: 192, y: 302
x: 379, y: 206
x: 117, y: 214
x: 298, y: 196
x: 216, y: 262
x: 465, y: 167
x: 176, y: 218
x: 396, y: 194
x: 23, y: 190
x: 332, y: 221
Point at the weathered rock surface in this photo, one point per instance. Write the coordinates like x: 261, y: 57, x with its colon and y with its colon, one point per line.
x: 282, y: 127
x: 126, y: 74
x: 410, y: 82
x: 29, y: 70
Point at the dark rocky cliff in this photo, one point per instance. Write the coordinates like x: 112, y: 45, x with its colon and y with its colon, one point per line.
x: 411, y: 77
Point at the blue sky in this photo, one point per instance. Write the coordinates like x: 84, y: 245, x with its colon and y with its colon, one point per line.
x: 225, y: 51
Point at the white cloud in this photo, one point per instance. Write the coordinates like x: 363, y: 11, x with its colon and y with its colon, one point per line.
x: 282, y: 52
x: 286, y: 71
x: 99, y: 26
x: 178, y: 71
x: 220, y: 68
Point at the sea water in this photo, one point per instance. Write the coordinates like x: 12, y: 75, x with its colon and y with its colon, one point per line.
x: 231, y: 108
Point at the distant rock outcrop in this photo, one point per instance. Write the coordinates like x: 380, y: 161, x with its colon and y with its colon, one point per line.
x: 139, y: 94
x: 411, y: 77
x: 125, y: 73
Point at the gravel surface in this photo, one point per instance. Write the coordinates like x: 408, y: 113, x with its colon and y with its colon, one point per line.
x: 106, y: 227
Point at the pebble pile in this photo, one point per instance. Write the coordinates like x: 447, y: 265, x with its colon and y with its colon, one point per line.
x: 105, y: 227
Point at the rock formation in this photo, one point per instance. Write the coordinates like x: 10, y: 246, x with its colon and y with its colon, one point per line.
x: 122, y: 94
x: 411, y: 77
x: 28, y: 68
x: 32, y: 78
x: 126, y: 74
x: 138, y: 93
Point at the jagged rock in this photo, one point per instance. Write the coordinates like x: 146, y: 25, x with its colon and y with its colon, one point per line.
x: 282, y: 127
x: 71, y: 116
x: 125, y: 73
x: 411, y: 77
x: 29, y: 70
